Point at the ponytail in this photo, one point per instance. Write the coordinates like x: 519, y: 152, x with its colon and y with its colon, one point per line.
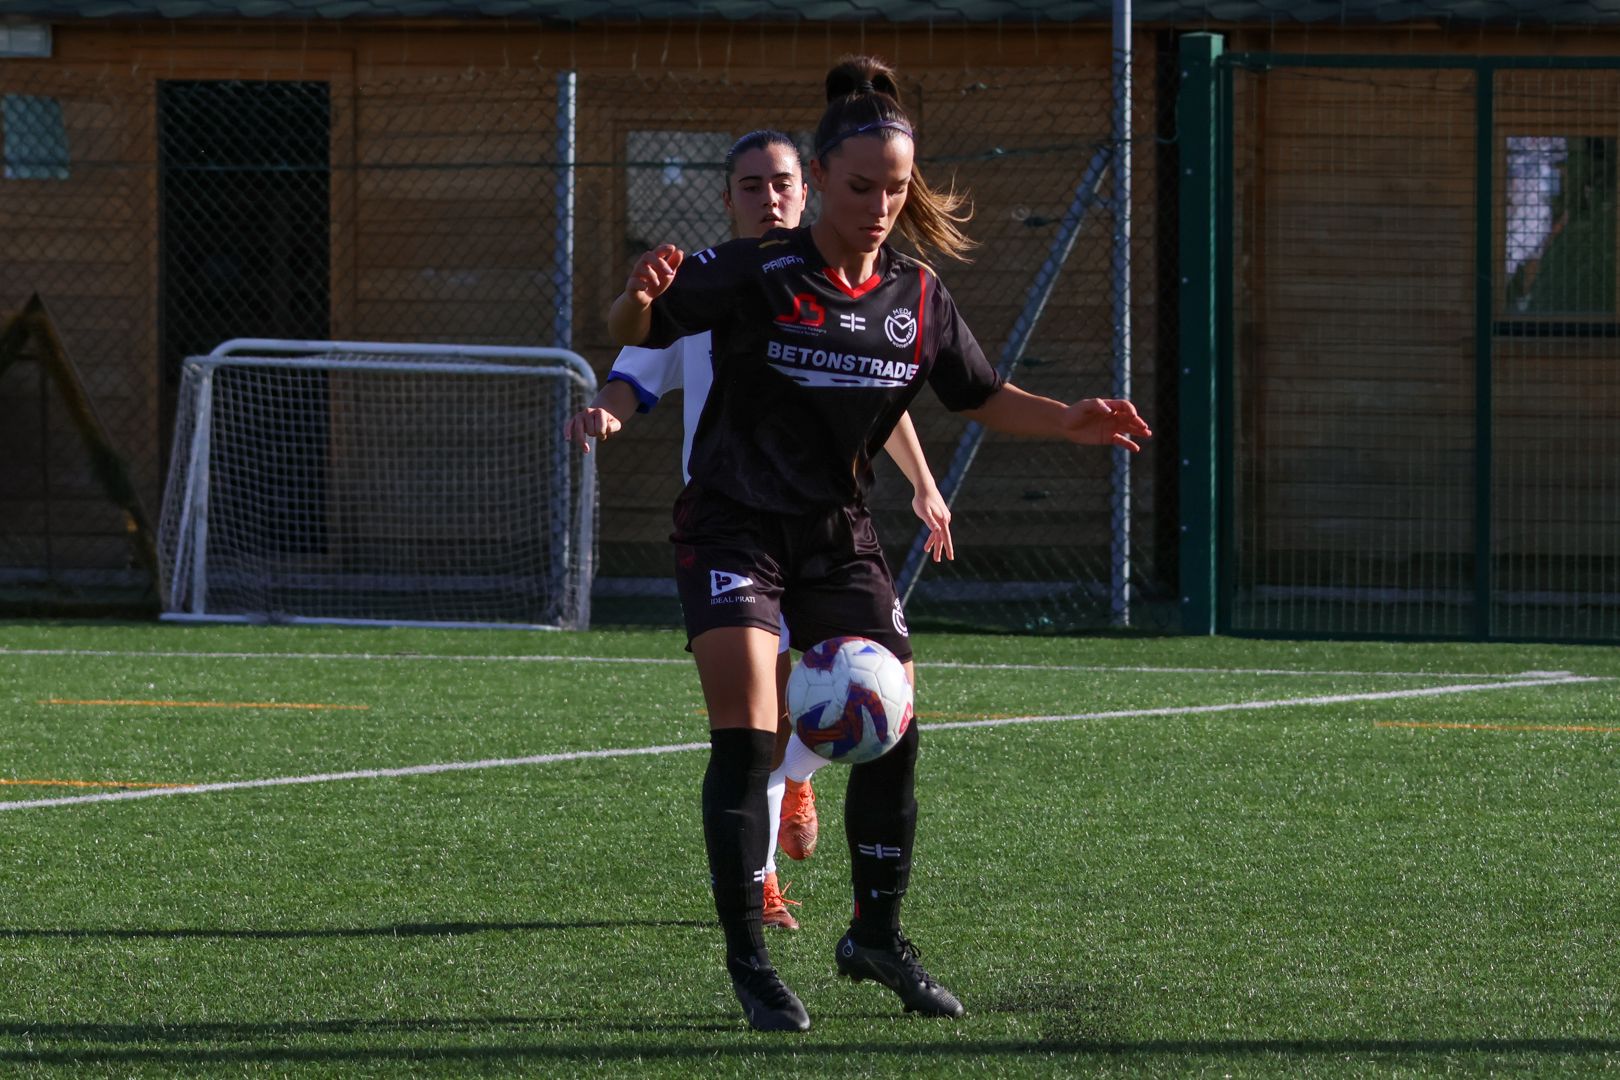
x: 863, y: 98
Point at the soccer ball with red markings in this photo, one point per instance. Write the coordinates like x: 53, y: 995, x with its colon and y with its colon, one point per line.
x: 850, y: 699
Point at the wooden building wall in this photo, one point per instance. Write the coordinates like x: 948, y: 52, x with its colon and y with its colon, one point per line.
x: 426, y: 247
x: 1355, y: 329
x: 84, y: 244
x: 1353, y: 313
x: 1353, y: 292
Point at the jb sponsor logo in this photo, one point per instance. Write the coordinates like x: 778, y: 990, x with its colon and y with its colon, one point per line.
x: 807, y: 317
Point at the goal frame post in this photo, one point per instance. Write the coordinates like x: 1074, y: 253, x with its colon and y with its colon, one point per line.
x: 185, y: 593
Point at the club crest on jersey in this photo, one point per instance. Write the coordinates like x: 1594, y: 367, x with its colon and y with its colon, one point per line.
x: 900, y: 327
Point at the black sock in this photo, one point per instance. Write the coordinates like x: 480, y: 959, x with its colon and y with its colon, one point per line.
x: 736, y: 833
x: 880, y: 823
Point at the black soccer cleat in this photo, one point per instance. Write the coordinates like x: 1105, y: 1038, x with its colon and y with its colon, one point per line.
x: 766, y: 1000
x: 897, y: 965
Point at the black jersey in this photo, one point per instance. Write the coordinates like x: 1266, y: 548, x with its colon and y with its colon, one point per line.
x: 812, y: 375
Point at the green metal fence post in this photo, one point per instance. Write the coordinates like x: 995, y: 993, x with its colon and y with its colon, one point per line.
x: 1197, y: 126
x: 1484, y: 303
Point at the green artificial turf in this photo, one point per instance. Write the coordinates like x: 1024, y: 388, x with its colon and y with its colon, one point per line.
x: 1193, y: 870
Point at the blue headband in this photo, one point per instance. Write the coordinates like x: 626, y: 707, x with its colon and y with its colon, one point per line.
x: 876, y: 125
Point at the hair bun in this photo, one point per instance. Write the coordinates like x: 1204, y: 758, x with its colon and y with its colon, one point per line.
x: 861, y: 75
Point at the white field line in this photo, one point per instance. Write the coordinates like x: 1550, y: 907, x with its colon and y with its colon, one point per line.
x: 357, y: 774
x: 1537, y: 675
x: 925, y: 664
x: 582, y: 755
x: 1277, y: 703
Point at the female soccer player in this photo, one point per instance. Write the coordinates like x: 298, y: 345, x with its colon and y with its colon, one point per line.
x: 822, y: 336
x: 765, y: 189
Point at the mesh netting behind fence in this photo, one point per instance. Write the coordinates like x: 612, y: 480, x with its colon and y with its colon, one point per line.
x: 1427, y: 418
x: 158, y: 217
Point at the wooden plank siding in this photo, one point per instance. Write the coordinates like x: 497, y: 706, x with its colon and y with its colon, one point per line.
x: 1355, y: 327
x: 424, y: 246
x: 1354, y: 319
x: 1354, y: 314
x: 454, y: 218
x: 84, y: 244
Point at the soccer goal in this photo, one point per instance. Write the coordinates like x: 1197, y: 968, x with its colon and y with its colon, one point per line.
x: 369, y: 483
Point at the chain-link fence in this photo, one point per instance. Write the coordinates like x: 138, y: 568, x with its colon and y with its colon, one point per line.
x: 158, y: 217
x: 1423, y: 347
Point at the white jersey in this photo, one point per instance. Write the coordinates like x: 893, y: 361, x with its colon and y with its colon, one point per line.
x: 686, y: 365
x: 652, y: 373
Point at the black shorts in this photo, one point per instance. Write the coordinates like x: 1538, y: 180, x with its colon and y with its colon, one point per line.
x: 822, y: 571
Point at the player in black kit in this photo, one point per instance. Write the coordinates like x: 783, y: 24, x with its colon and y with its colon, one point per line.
x: 822, y: 336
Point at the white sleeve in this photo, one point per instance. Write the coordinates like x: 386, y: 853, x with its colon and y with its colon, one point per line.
x: 652, y: 373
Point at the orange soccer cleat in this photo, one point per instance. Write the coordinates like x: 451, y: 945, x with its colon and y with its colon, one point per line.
x: 797, y: 833
x: 776, y: 906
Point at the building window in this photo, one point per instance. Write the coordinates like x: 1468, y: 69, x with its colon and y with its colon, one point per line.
x: 36, y: 146
x: 1560, y: 227
x: 674, y: 185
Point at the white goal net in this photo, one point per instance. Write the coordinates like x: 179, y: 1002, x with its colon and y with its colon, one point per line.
x: 356, y: 482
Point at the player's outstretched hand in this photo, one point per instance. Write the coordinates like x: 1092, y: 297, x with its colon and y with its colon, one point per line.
x: 930, y: 507
x: 1104, y: 422
x: 588, y: 424
x: 653, y: 272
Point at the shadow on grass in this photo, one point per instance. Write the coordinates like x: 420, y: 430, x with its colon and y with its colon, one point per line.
x: 520, y: 1041
x: 1073, y: 1020
x: 444, y: 929
x: 236, y: 1031
x: 1317, y: 1047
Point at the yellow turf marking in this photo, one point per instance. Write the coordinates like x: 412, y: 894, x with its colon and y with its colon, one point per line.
x: 86, y: 783
x: 1494, y: 727
x: 203, y: 704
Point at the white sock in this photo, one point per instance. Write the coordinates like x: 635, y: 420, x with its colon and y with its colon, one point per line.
x: 799, y: 762
x: 775, y: 788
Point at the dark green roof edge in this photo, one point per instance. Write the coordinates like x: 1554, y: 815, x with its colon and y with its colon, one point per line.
x: 1190, y: 13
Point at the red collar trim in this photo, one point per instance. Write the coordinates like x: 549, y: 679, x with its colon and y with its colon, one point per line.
x: 858, y: 291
